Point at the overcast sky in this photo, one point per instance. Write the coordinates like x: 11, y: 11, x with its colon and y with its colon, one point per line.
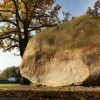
x: 8, y: 59
x: 75, y: 7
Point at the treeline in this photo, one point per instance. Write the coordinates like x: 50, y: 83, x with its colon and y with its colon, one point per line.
x: 11, y: 72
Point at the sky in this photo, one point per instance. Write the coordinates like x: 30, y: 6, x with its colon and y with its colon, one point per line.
x: 8, y: 59
x: 75, y: 7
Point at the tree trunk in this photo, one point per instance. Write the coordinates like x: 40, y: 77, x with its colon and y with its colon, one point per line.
x: 22, y: 46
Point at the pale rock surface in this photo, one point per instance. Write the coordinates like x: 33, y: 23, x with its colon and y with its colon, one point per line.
x: 68, y: 54
x: 70, y: 67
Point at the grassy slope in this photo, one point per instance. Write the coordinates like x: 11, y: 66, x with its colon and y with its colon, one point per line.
x: 81, y: 31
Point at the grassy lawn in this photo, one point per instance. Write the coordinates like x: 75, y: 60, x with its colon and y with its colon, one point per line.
x: 10, y: 84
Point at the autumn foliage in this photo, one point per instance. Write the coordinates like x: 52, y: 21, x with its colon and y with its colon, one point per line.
x: 20, y: 18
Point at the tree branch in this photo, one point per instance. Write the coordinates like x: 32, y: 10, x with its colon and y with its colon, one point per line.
x: 10, y: 47
x: 23, y: 1
x: 6, y: 20
x: 7, y: 33
x: 41, y: 26
x: 13, y: 39
x: 8, y: 11
x: 17, y: 12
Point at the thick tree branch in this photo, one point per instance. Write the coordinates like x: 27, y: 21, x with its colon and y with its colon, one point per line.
x: 17, y: 12
x: 10, y: 47
x: 13, y: 39
x: 7, y: 20
x: 9, y: 11
x: 8, y: 33
x: 41, y: 26
x: 23, y: 1
x: 5, y: 37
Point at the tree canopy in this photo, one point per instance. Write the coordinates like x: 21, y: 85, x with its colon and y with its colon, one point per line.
x: 19, y: 19
x: 11, y: 72
x: 96, y: 10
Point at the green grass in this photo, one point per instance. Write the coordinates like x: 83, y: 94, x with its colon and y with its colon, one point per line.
x: 10, y: 84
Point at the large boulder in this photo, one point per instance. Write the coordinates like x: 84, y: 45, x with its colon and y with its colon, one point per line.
x: 65, y: 55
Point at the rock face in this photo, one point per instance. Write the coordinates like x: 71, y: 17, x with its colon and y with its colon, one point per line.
x: 70, y: 67
x: 47, y: 63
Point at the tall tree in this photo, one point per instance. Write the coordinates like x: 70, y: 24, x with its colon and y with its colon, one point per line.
x: 9, y: 72
x: 96, y: 10
x: 20, y: 18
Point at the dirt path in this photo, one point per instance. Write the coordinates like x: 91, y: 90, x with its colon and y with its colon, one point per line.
x: 70, y: 88
x: 44, y: 93
x: 11, y: 98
